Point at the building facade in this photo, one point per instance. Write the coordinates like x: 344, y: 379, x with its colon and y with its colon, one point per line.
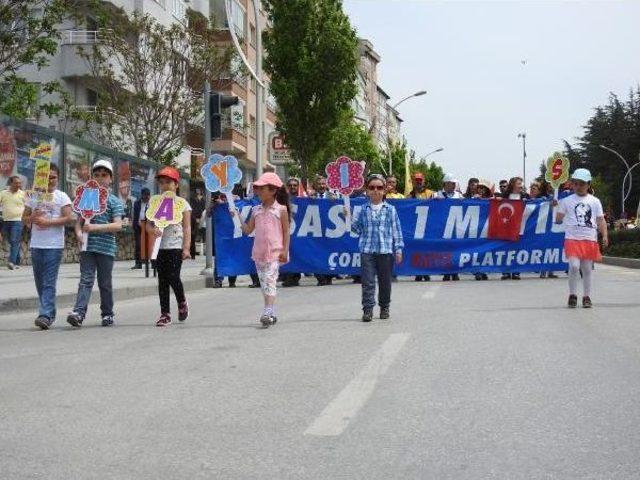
x: 240, y: 121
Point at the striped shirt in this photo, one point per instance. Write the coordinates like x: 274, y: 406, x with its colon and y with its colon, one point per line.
x: 380, y: 232
x: 105, y: 243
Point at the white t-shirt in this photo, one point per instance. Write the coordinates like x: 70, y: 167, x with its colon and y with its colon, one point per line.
x: 173, y: 235
x: 580, y: 215
x: 49, y: 237
x: 442, y: 194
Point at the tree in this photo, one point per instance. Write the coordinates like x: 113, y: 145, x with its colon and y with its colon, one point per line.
x: 351, y: 139
x: 617, y: 126
x: 312, y: 58
x: 149, y: 80
x: 29, y: 35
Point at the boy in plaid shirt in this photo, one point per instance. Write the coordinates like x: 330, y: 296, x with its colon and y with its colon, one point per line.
x: 380, y: 244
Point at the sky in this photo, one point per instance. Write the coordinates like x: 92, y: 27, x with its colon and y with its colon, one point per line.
x: 469, y: 56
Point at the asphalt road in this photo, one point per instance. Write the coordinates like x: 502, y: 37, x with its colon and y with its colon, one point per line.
x: 469, y: 380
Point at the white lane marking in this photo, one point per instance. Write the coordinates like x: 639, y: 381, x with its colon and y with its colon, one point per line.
x: 335, y: 418
x: 431, y: 292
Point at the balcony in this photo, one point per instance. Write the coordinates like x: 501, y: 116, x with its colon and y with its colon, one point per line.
x: 72, y: 63
x: 79, y: 37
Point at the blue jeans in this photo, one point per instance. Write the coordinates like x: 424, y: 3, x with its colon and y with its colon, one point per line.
x: 12, y: 231
x: 376, y: 265
x: 90, y: 262
x: 46, y: 263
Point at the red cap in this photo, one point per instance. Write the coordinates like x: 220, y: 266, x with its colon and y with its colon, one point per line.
x: 169, y: 172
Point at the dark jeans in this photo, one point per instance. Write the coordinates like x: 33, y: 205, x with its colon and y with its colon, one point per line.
x: 46, y: 263
x: 90, y: 263
x: 137, y: 235
x: 12, y: 231
x: 381, y: 266
x: 169, y: 264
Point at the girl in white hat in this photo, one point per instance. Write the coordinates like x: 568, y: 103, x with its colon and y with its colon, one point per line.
x: 583, y: 217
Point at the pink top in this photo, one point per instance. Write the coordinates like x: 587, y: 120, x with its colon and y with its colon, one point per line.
x: 267, y: 244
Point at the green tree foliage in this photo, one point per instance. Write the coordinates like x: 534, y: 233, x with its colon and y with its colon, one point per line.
x: 312, y: 57
x: 29, y: 36
x: 617, y: 126
x: 149, y: 80
x: 351, y: 139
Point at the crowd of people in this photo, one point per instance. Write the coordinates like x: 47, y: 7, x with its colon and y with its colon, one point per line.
x: 377, y: 225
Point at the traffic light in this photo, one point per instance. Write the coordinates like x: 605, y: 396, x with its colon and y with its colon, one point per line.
x: 217, y: 103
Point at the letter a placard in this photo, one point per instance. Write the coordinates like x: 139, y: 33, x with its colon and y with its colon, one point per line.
x: 164, y: 210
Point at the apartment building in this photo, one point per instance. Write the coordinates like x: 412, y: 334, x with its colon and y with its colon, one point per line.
x: 240, y: 121
x: 372, y: 102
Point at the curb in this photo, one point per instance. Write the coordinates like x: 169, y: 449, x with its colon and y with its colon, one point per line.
x: 621, y: 262
x: 68, y: 299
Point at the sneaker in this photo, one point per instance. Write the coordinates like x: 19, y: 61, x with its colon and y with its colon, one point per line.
x: 515, y: 276
x: 506, y: 276
x: 586, y: 302
x: 446, y: 278
x: 552, y: 275
x: 107, y: 320
x: 11, y: 266
x: 265, y: 320
x: 426, y: 278
x: 254, y: 285
x: 478, y: 276
x: 418, y: 278
x: 75, y: 319
x: 367, y: 316
x: 384, y: 313
x: 43, y: 322
x: 274, y: 320
x: 543, y: 275
x: 573, y: 301
x: 137, y: 266
x: 164, y: 320
x: 217, y: 284
x: 455, y: 277
x: 183, y: 311
x: 232, y: 284
x: 485, y: 276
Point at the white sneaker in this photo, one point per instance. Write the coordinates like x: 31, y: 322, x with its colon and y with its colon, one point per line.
x: 11, y: 266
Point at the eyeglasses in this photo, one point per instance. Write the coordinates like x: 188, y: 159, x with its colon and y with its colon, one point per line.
x: 376, y: 187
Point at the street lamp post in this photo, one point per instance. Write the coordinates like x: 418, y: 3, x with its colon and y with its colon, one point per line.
x: 624, y: 192
x: 255, y: 73
x: 431, y: 153
x: 417, y: 94
x: 523, y: 136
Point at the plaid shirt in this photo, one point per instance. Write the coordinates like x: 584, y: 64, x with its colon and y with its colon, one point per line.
x: 379, y: 232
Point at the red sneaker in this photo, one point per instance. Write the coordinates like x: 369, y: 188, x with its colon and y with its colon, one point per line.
x: 164, y: 320
x: 183, y: 311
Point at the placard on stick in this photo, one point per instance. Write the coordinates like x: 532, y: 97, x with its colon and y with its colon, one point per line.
x: 90, y: 201
x: 557, y: 171
x: 164, y: 210
x: 221, y: 174
x: 345, y: 176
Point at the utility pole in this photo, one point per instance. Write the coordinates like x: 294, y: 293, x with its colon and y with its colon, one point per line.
x: 207, y: 153
x: 523, y: 135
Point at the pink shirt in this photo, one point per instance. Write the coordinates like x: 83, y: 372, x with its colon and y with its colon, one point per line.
x: 267, y: 244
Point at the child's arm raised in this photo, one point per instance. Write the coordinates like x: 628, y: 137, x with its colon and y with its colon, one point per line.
x: 286, y: 237
x: 247, y: 227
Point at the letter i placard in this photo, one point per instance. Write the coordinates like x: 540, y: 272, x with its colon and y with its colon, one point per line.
x: 164, y: 210
x: 90, y: 201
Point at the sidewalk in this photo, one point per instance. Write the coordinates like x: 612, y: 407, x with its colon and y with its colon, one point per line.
x: 18, y: 290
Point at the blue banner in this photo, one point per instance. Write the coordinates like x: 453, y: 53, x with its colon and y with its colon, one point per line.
x: 441, y: 236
